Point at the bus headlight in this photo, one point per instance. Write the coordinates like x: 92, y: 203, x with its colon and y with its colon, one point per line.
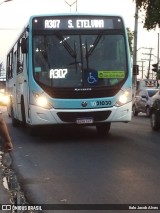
x: 124, y: 97
x: 42, y: 100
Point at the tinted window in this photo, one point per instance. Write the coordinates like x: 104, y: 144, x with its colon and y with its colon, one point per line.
x: 152, y: 92
x: 62, y: 60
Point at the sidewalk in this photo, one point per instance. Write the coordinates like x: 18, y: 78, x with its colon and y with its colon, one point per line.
x: 4, y: 192
x: 10, y: 190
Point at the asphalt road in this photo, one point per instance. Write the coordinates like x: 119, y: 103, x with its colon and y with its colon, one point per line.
x: 75, y: 166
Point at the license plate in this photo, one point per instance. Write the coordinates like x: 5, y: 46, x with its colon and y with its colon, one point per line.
x: 84, y: 120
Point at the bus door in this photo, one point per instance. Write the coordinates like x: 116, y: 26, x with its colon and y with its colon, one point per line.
x: 21, y: 84
x: 23, y: 80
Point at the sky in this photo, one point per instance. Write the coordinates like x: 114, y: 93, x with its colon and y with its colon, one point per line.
x: 15, y: 14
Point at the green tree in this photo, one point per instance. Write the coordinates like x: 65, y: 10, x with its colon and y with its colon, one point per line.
x: 152, y: 12
x: 130, y: 39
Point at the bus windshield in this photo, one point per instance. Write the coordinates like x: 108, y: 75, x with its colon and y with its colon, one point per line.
x: 63, y: 60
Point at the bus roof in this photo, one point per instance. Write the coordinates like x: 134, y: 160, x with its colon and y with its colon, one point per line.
x: 75, y: 14
x: 29, y: 22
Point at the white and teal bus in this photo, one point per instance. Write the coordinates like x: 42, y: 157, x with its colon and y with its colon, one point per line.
x: 71, y: 69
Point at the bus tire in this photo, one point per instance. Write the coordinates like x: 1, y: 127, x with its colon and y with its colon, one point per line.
x: 23, y: 112
x: 103, y: 129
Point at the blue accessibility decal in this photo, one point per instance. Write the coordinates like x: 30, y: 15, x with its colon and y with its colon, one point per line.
x: 92, y: 77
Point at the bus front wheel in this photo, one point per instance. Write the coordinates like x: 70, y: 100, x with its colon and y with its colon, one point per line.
x: 23, y: 111
x: 103, y: 129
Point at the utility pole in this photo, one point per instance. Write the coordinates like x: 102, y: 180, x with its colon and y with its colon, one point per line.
x: 142, y: 67
x: 149, y: 60
x: 135, y: 47
x: 150, y: 55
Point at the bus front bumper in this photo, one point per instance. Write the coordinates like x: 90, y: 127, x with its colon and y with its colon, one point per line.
x: 41, y: 116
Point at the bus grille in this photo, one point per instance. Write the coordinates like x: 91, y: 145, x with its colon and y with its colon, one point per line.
x: 72, y: 116
x: 72, y: 93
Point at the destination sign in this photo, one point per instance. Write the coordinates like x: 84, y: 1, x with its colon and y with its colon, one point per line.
x: 77, y: 22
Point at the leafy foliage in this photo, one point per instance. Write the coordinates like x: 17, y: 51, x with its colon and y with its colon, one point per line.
x: 130, y: 39
x: 152, y: 12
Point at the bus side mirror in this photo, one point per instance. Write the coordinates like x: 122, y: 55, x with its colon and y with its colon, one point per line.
x: 24, y: 45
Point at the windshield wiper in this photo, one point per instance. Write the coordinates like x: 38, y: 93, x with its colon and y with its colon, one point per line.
x: 90, y: 51
x: 66, y: 45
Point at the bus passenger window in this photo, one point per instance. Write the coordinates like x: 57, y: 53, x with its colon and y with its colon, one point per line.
x: 19, y: 59
x: 19, y: 66
x: 9, y: 71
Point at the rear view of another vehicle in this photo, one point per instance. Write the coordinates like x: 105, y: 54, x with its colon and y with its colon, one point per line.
x: 143, y: 100
x: 155, y: 112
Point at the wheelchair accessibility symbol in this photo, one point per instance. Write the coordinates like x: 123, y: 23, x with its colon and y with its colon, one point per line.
x: 92, y: 77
